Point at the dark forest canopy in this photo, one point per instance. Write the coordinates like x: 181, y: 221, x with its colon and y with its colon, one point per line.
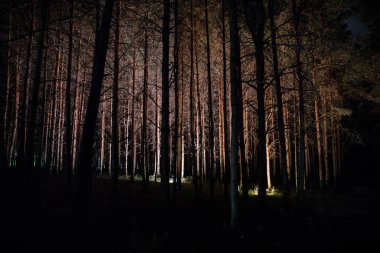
x: 253, y: 96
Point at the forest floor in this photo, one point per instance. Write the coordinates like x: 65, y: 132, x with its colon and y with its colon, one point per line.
x: 136, y: 221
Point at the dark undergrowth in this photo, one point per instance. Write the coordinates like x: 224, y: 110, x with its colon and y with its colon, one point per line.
x: 42, y: 220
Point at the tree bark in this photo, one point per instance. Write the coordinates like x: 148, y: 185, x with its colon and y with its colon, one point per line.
x: 234, y: 78
x: 165, y: 130
x: 68, y: 125
x: 280, y: 112
x: 210, y: 107
x: 191, y: 111
x: 84, y: 165
x: 144, y: 147
x: 256, y: 25
x: 115, y: 104
x: 301, y: 103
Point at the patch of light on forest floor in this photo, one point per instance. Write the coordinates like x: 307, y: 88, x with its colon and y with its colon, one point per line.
x: 185, y: 180
x: 270, y: 192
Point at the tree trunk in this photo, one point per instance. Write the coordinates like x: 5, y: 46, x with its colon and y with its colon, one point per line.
x: 301, y: 104
x: 325, y: 140
x: 256, y: 27
x: 210, y: 107
x: 280, y: 113
x: 68, y: 125
x: 234, y: 77
x: 319, y: 145
x: 133, y: 117
x: 115, y: 104
x: 176, y: 135
x: 84, y: 165
x: 200, y: 125
x: 144, y: 148
x: 191, y: 111
x: 225, y: 124
x: 165, y: 130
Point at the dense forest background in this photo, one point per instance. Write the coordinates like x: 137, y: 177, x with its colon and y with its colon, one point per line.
x: 165, y: 103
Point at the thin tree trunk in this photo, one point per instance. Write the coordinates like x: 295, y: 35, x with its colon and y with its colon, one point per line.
x: 234, y: 76
x: 210, y: 107
x: 68, y: 125
x: 200, y: 146
x: 194, y: 168
x: 144, y: 148
x: 115, y: 104
x: 76, y: 108
x: 319, y: 145
x: 325, y: 140
x: 133, y: 117
x: 165, y: 130
x: 280, y: 113
x: 176, y: 135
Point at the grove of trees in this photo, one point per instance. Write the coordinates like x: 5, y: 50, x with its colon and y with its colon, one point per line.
x: 247, y: 96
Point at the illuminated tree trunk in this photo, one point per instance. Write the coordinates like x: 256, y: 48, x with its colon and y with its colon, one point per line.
x: 280, y: 113
x: 133, y: 117
x: 86, y: 149
x: 288, y: 144
x: 126, y: 137
x: 200, y: 147
x: 157, y: 131
x: 181, y: 166
x: 226, y: 154
x: 204, y: 156
x: 220, y: 173
x: 61, y: 118
x: 165, y: 130
x: 247, y: 142
x: 77, y: 108
x: 115, y: 103
x: 269, y: 140
x: 296, y: 155
x: 210, y: 107
x: 176, y: 134
x: 267, y: 150
x: 144, y: 147
x: 325, y: 139
x: 102, y: 137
